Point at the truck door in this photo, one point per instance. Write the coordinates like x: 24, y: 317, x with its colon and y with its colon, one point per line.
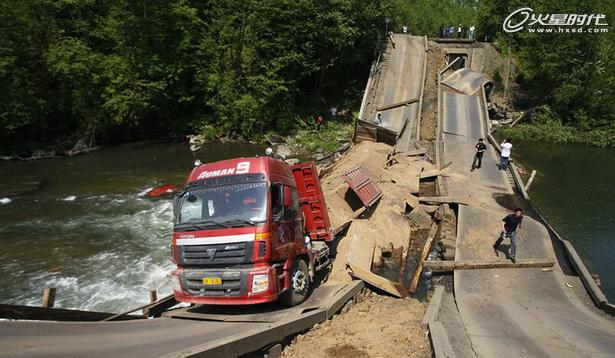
x: 280, y: 228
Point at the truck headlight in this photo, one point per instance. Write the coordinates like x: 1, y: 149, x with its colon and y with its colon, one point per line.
x: 177, y: 286
x: 260, y: 283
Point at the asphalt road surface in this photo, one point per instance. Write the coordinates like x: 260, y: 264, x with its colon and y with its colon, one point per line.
x: 509, y: 312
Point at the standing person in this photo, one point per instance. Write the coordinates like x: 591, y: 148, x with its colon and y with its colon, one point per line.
x: 478, y: 157
x: 378, y: 119
x: 509, y: 229
x: 451, y: 31
x: 319, y: 121
x: 505, y: 155
x: 333, y: 111
x: 459, y: 31
x: 404, y: 29
x: 472, y: 29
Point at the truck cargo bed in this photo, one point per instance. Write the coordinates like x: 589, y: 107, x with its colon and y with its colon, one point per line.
x: 312, y: 201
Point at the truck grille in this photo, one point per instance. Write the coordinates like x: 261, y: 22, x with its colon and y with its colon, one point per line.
x: 234, y: 283
x: 215, y: 254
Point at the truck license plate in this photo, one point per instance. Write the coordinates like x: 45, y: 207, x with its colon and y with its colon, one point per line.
x: 212, y: 281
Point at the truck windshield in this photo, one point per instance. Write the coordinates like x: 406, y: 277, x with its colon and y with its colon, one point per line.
x: 233, y: 205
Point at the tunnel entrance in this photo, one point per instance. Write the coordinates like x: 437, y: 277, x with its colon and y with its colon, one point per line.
x: 461, y: 60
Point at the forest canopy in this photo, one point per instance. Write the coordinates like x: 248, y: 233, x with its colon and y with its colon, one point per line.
x: 566, y: 79
x: 107, y: 69
x: 70, y: 68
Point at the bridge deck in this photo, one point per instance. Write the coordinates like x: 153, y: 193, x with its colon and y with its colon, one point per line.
x: 189, y: 331
x: 509, y: 312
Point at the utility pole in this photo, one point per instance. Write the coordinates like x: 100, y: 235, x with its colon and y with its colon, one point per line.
x: 507, y: 74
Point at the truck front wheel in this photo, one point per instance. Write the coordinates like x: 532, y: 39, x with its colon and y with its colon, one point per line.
x: 299, y: 284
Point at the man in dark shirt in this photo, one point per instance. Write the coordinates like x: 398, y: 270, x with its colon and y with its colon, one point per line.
x: 478, y: 157
x: 509, y: 229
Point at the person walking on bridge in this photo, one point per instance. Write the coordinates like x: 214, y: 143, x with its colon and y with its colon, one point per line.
x: 505, y: 155
x: 509, y: 229
x: 478, y: 157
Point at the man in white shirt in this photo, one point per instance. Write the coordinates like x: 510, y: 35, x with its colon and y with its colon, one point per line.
x: 505, y: 155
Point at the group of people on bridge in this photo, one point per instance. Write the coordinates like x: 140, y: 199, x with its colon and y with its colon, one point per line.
x: 459, y: 32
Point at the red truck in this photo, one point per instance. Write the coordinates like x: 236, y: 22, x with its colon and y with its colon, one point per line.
x: 248, y: 231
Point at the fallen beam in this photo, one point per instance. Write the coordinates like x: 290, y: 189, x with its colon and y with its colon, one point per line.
x: 398, y: 104
x: 444, y: 199
x: 426, y: 248
x: 477, y: 265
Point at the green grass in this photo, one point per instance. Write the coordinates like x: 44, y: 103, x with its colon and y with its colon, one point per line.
x: 327, y: 137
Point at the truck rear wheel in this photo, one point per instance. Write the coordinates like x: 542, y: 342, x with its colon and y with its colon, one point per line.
x: 299, y: 284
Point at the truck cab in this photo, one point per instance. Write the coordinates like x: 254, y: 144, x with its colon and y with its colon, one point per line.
x: 241, y: 234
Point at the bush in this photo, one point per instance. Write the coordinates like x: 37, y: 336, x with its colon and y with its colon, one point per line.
x: 327, y: 137
x: 546, y: 127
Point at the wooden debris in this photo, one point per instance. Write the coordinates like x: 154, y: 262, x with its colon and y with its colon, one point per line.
x: 444, y: 199
x: 414, y: 152
x: 398, y: 104
x: 49, y: 297
x: 476, y: 264
x: 426, y: 248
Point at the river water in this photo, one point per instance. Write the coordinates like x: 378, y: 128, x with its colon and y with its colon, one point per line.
x: 88, y: 229
x: 575, y: 190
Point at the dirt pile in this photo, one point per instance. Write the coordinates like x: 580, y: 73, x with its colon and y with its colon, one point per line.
x: 377, y: 326
x: 385, y: 220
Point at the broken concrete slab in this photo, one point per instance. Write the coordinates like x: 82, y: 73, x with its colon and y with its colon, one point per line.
x: 419, y: 218
x: 361, y: 251
x: 430, y: 209
x: 410, y: 202
x: 394, y: 288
